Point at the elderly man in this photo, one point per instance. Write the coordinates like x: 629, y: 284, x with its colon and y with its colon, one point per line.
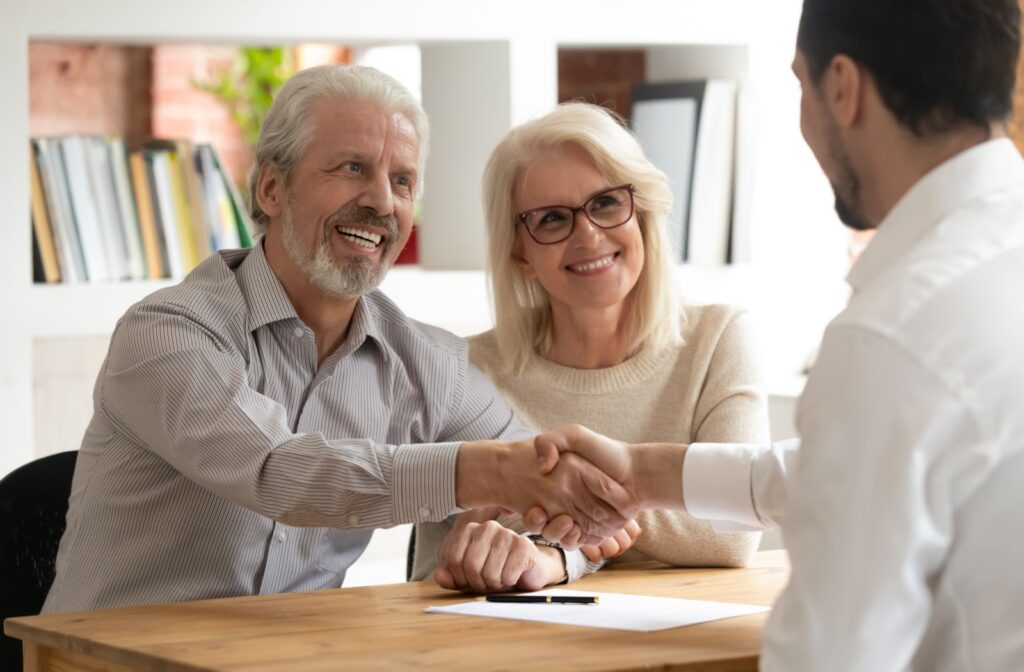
x: 902, y: 505
x: 256, y: 422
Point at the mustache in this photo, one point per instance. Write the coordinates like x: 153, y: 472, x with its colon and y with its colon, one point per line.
x: 367, y: 217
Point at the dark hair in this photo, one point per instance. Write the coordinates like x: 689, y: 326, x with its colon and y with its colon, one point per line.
x: 937, y: 63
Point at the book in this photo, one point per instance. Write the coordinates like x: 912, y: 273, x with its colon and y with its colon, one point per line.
x: 197, y: 207
x: 182, y: 211
x: 687, y: 129
x: 125, y: 200
x: 101, y: 213
x: 713, y: 170
x: 38, y: 272
x: 51, y: 174
x: 664, y: 118
x: 83, y: 208
x: 241, y: 215
x: 152, y: 240
x: 220, y: 215
x: 41, y: 228
x: 109, y: 219
x: 159, y: 169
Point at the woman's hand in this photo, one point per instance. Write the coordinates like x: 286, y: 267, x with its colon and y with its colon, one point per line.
x: 615, y: 545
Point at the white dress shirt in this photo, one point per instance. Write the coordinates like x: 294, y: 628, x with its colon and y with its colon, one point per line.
x: 903, y: 505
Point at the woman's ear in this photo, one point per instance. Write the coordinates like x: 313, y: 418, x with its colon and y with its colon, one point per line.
x: 270, y: 190
x: 525, y: 267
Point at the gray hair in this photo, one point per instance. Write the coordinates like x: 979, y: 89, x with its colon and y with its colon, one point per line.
x: 288, y: 130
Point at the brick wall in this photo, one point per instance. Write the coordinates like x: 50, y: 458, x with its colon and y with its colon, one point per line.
x: 602, y: 76
x: 135, y: 92
x: 88, y: 88
x: 182, y: 111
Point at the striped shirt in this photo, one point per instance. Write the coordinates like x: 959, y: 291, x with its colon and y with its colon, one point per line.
x: 221, y: 460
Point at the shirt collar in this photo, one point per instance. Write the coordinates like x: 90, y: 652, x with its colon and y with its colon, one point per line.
x: 263, y: 292
x: 268, y: 302
x: 365, y: 325
x: 982, y: 169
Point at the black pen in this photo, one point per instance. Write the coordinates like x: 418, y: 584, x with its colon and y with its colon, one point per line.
x: 542, y: 599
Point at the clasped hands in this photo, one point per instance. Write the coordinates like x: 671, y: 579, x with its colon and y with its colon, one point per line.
x: 579, y: 490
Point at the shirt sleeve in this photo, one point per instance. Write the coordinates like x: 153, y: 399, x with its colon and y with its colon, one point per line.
x: 738, y: 486
x: 730, y: 476
x: 870, y: 510
x: 179, y: 387
x: 480, y: 412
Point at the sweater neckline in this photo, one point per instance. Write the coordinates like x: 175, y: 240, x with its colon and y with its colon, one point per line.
x: 636, y: 369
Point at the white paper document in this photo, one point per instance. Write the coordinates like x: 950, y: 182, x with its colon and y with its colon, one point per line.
x: 615, y: 611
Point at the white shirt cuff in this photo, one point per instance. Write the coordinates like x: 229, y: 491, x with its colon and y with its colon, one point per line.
x: 716, y: 485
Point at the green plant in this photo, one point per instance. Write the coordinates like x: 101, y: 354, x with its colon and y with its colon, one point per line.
x: 249, y: 87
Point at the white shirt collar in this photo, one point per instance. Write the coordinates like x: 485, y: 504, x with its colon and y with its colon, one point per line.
x: 982, y: 169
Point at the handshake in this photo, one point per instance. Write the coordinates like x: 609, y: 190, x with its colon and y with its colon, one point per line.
x: 573, y: 486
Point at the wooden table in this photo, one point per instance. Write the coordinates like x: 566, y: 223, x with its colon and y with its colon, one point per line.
x: 384, y: 628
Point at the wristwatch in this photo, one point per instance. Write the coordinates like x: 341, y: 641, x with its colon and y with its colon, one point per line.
x: 541, y: 541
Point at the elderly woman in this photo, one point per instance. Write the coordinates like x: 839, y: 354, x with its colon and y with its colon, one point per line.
x: 587, y: 331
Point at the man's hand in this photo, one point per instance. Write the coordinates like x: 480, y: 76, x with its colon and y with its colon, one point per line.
x: 610, y: 456
x: 486, y: 557
x: 507, y: 474
x: 653, y: 473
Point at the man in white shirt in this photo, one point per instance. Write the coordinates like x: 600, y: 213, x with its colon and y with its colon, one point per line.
x: 903, y: 503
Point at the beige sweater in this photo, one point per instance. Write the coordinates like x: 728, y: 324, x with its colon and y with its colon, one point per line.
x: 707, y: 389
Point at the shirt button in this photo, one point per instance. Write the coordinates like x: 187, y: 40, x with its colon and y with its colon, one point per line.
x: 353, y: 521
x: 425, y: 512
x: 281, y: 536
x: 297, y: 332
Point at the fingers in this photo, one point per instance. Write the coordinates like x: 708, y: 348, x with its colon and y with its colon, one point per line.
x: 521, y: 558
x: 597, y: 502
x: 535, y: 519
x: 558, y: 528
x: 609, y: 548
x: 444, y: 579
x: 606, y: 504
x: 633, y: 530
x: 591, y: 553
x: 614, y: 546
x: 547, y: 453
x: 484, y: 557
x: 451, y: 553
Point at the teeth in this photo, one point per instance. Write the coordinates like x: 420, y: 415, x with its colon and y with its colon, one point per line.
x: 594, y: 265
x: 366, y: 239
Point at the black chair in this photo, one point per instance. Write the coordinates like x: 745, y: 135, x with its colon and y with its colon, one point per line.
x: 410, y: 554
x: 33, y: 508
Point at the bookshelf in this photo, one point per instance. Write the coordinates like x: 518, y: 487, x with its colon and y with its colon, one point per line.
x: 485, y: 68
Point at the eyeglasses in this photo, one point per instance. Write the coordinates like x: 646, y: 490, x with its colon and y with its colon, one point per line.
x: 607, y: 209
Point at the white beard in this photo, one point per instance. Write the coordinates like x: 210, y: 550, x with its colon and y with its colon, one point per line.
x: 350, y: 279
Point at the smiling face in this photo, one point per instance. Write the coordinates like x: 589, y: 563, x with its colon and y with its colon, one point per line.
x: 593, y: 268
x: 345, y: 212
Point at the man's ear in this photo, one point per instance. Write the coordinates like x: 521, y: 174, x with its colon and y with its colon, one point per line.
x: 270, y: 190
x: 843, y: 87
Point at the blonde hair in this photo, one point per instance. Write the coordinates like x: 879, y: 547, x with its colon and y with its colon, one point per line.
x: 522, y: 309
x: 288, y: 129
